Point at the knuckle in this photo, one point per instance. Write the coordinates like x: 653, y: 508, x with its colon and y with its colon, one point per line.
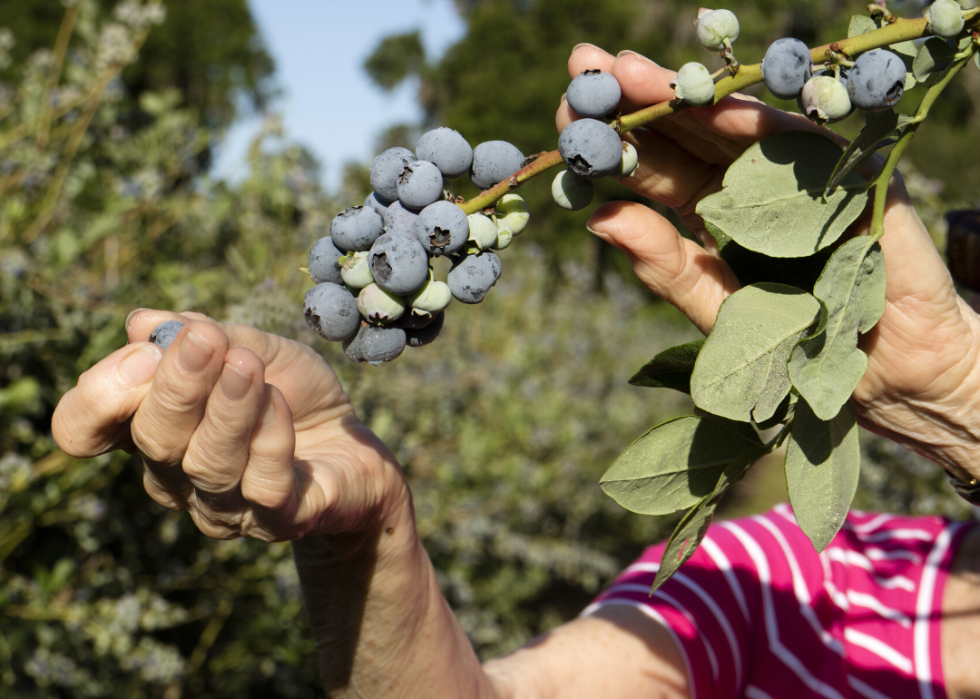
x: 211, y: 528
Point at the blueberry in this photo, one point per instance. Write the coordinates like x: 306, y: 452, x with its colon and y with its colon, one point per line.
x: 356, y: 270
x: 493, y: 162
x: 714, y: 27
x: 629, y: 163
x: 877, y: 80
x: 379, y: 306
x: 471, y: 277
x: 323, y: 261
x: 331, y: 311
x: 512, y: 213
x: 400, y: 221
x: 418, y: 337
x: 483, y: 231
x: 399, y: 264
x: 824, y: 99
x: 571, y: 191
x: 356, y: 228
x: 165, y: 333
x: 419, y: 185
x: 447, y: 148
x: 375, y: 344
x: 373, y: 202
x: 385, y: 171
x: 694, y: 85
x: 442, y: 228
x: 945, y: 18
x: 590, y: 148
x: 416, y: 321
x: 593, y: 93
x: 786, y: 68
x: 432, y: 297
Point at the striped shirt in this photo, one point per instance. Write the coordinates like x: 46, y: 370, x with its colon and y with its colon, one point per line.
x: 757, y: 613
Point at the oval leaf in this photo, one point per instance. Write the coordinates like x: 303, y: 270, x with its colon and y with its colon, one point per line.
x: 772, y: 198
x: 670, y: 369
x: 741, y: 372
x: 826, y: 368
x: 675, y: 464
x: 934, y: 56
x: 823, y: 459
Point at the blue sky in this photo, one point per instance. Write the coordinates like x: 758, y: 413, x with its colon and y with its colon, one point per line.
x: 328, y: 103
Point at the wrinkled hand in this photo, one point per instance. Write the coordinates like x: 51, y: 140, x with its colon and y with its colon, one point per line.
x: 922, y: 387
x: 250, y: 432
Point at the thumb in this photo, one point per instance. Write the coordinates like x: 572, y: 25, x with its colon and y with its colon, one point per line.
x: 93, y: 418
x: 678, y: 270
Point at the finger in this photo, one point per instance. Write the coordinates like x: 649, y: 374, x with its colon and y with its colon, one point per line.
x: 218, y: 449
x: 165, y: 421
x: 142, y: 322
x: 93, y: 418
x: 678, y: 270
x: 269, y: 480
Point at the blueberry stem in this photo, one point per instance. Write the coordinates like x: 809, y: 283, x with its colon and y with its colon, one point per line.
x: 881, y: 181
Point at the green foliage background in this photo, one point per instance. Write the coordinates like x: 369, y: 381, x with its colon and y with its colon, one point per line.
x: 504, y: 425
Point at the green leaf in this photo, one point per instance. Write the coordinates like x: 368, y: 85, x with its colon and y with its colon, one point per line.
x: 690, y: 531
x: 670, y: 369
x: 823, y: 459
x: 675, y: 464
x: 872, y: 137
x: 741, y: 372
x: 825, y: 368
x: 784, y: 410
x: 934, y: 56
x: 860, y: 24
x: 753, y: 267
x: 772, y: 198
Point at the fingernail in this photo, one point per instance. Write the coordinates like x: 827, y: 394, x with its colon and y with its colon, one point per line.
x: 234, y: 383
x: 627, y: 52
x: 193, y: 354
x: 139, y: 367
x: 269, y: 414
x: 564, y: 98
x: 130, y: 316
x: 578, y: 46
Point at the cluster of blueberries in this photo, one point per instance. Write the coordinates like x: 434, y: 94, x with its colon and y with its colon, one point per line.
x: 375, y: 288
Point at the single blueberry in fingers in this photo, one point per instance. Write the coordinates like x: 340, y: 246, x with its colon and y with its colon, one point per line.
x: 165, y: 333
x: 593, y: 93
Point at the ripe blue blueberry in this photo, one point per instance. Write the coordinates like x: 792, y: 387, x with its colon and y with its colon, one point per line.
x: 356, y: 228
x: 375, y: 344
x: 400, y: 221
x: 373, y: 202
x: 385, y: 171
x: 715, y: 27
x: 571, y: 191
x: 165, y: 333
x: 590, y: 148
x: 399, y: 264
x: 331, y: 311
x: 419, y: 337
x: 324, y: 266
x: 694, y: 85
x: 786, y: 68
x: 877, y: 80
x: 448, y: 149
x: 472, y: 276
x: 493, y: 162
x: 442, y: 228
x: 593, y: 93
x: 419, y: 185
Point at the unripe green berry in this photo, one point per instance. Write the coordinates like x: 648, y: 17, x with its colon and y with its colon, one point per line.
x: 715, y: 26
x: 512, y: 213
x: 571, y: 191
x: 694, y: 85
x: 824, y: 99
x: 483, y: 231
x: 945, y: 18
x: 378, y: 306
x: 431, y: 298
x: 355, y: 270
x: 629, y: 162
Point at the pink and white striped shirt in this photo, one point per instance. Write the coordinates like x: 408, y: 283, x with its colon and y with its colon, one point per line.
x: 757, y: 613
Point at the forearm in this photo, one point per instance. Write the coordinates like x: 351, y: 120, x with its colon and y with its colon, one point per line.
x: 381, y: 624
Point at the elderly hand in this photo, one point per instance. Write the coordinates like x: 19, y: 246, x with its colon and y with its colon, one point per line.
x: 922, y: 386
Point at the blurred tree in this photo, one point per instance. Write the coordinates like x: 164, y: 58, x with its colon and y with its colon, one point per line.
x: 211, y: 52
